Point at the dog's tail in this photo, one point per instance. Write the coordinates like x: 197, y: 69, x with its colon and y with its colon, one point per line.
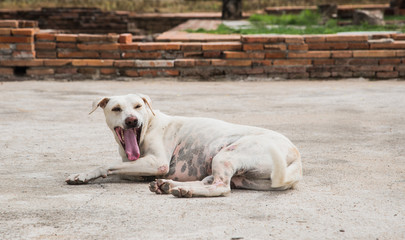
x: 284, y: 177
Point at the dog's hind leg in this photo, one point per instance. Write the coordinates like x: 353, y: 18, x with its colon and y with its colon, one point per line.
x: 224, y: 166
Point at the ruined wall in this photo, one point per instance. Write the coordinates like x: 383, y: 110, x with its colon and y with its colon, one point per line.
x: 29, y: 53
x: 93, y: 20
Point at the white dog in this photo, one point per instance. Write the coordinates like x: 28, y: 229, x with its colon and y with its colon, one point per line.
x: 194, y: 156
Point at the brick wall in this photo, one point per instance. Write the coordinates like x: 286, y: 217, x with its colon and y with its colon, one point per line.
x: 95, y: 21
x: 29, y: 53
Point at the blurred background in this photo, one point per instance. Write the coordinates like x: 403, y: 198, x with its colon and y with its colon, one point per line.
x: 166, y: 6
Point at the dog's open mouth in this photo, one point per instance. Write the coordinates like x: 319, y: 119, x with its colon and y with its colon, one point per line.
x: 129, y: 139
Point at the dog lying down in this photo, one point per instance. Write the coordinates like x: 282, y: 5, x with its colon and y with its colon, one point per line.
x: 193, y: 157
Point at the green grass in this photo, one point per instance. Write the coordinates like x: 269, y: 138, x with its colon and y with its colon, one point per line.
x: 306, y: 17
x: 307, y: 22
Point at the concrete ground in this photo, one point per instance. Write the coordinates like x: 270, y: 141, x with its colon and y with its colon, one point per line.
x: 351, y: 135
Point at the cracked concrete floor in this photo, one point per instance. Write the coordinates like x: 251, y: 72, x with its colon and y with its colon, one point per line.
x: 351, y: 135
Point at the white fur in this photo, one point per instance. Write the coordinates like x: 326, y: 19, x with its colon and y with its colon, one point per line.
x: 272, y: 161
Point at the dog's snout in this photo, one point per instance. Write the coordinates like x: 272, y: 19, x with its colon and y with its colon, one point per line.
x: 131, y: 122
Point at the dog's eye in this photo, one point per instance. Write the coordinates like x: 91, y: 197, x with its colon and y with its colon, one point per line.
x: 137, y: 106
x: 116, y: 109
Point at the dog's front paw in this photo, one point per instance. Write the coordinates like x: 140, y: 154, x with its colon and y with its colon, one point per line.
x: 75, y: 179
x: 160, y: 186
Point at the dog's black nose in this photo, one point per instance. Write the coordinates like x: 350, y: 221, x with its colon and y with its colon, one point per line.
x: 131, y: 122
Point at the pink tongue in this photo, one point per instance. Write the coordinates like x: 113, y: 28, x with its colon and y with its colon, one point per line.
x: 131, y: 145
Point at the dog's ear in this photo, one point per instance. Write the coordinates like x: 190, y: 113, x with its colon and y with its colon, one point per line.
x: 99, y: 103
x: 147, y: 101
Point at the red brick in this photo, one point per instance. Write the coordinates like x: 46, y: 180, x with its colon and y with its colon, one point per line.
x: 40, y: 71
x: 286, y: 69
x: 130, y: 46
x: 159, y: 46
x: 275, y: 55
x: 6, y: 71
x: 110, y: 55
x: 280, y: 47
x: 298, y: 47
x: 291, y: 62
x: 109, y: 38
x: 78, y: 55
x: 66, y: 70
x: 380, y: 36
x: 390, y: 61
x: 66, y: 37
x: 324, y: 62
x: 5, y: 31
x: 203, y: 62
x: 347, y: 38
x: 189, y: 47
x: 366, y: 61
x: 154, y: 63
x: 193, y: 54
x: 247, y: 71
x: 124, y: 63
x: 16, y: 39
x: 57, y: 62
x: 235, y: 63
x: 314, y: 38
x: 23, y: 32
x: 5, y: 46
x: 46, y: 54
x: 100, y: 47
x: 255, y: 55
x: 328, y: 46
x: 342, y: 54
x: 21, y: 63
x: 143, y: 55
x: 262, y: 39
x: 108, y: 71
x: 399, y: 36
x: 346, y: 74
x: 393, y: 45
x: 294, y: 39
x: 45, y: 36
x: 184, y: 63
x: 25, y: 47
x: 310, y: 54
x: 373, y: 53
x: 125, y: 38
x: 27, y: 24
x: 92, y: 62
x: 131, y: 73
x: 169, y: 72
x: 253, y: 47
x: 24, y: 54
x: 45, y: 45
x: 400, y: 53
x: 8, y: 24
x: 261, y: 63
x: 359, y: 46
x: 66, y: 45
x: 372, y: 68
x: 303, y: 75
x: 212, y: 54
x: 393, y: 74
x: 223, y: 46
x: 320, y: 74
x: 148, y: 73
x: 87, y: 71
